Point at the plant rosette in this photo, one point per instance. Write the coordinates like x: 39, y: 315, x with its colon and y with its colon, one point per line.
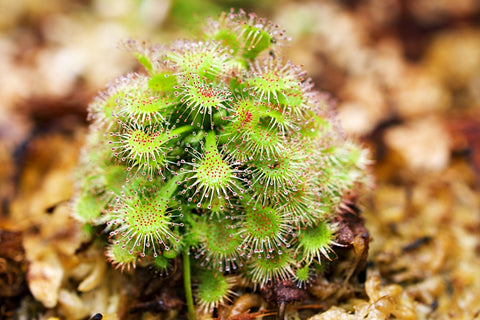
x: 223, y: 152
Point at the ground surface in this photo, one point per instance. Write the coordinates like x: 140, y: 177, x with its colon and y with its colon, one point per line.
x: 406, y: 78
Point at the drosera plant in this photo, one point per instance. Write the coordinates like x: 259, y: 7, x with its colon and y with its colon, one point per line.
x: 221, y: 152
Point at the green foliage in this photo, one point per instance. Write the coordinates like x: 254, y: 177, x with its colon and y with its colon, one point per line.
x: 220, y: 149
x: 214, y: 288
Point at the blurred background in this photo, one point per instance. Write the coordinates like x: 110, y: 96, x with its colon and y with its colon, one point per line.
x: 404, y: 74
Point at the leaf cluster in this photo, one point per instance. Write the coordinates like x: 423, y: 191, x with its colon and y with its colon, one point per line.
x: 222, y: 148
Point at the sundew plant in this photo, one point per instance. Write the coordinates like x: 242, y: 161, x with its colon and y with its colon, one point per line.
x: 221, y: 152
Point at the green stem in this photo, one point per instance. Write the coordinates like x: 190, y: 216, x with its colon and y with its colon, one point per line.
x: 187, y: 282
x: 210, y: 143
